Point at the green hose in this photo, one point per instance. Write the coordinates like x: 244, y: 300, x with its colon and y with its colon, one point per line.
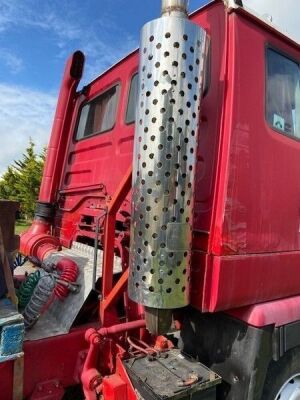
x: 26, y: 289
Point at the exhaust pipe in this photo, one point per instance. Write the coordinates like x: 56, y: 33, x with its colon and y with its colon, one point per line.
x: 172, y: 61
x: 175, y: 8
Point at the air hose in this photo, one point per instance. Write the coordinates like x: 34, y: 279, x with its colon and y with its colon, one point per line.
x: 68, y: 272
x: 55, y: 281
x: 40, y: 299
x: 26, y: 289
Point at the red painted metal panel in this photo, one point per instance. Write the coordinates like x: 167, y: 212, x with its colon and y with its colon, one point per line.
x: 6, y: 381
x: 114, y: 388
x: 259, y: 209
x: 234, y: 281
x: 254, y: 240
x: 277, y: 312
x: 89, y: 161
x: 48, y: 359
x: 214, y: 21
x: 53, y: 358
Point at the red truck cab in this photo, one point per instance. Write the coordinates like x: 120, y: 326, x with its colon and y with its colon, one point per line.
x: 243, y: 321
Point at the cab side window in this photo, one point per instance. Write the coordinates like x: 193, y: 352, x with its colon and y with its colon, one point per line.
x: 99, y: 114
x: 283, y: 94
x: 132, y: 99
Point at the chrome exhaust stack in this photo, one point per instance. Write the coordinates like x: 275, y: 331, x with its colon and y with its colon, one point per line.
x: 171, y: 74
x: 174, y: 8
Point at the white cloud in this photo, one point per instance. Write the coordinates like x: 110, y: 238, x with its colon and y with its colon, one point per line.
x: 284, y: 14
x: 69, y: 31
x: 11, y: 60
x: 16, y: 15
x: 6, y: 12
x: 23, y: 113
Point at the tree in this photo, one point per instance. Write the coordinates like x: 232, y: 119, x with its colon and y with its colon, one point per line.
x: 22, y: 180
x: 7, y: 184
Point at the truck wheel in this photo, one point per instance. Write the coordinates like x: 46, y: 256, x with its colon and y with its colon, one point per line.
x: 283, y: 378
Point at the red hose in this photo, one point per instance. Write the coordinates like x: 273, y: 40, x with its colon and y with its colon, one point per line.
x: 68, y: 270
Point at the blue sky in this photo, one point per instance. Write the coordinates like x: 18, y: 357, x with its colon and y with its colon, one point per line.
x: 36, y: 37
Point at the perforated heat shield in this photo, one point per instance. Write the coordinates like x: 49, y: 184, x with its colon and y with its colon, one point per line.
x: 171, y: 74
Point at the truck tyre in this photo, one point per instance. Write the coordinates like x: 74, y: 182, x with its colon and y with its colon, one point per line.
x: 283, y: 378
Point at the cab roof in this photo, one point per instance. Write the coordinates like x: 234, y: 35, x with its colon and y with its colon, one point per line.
x: 231, y: 6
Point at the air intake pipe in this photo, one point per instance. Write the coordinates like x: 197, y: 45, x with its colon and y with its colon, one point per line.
x: 171, y: 73
x: 59, y: 138
x: 38, y: 241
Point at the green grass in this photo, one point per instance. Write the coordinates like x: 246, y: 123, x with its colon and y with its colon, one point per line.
x: 21, y: 226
